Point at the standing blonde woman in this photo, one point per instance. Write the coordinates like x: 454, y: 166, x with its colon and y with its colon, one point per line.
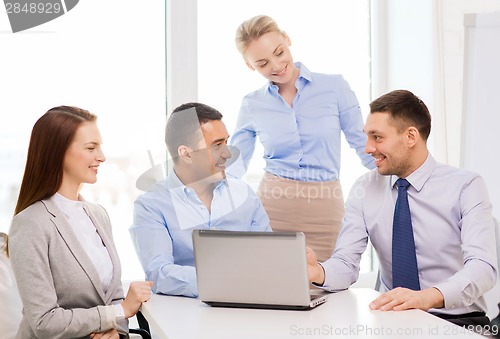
x: 61, y: 246
x: 299, y: 116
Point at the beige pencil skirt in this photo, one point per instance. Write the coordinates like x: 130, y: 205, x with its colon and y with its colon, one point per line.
x: 315, y: 208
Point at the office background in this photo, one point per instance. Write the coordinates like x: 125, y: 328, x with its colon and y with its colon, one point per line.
x: 131, y: 62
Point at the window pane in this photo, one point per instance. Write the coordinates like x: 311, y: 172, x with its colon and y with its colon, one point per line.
x: 109, y: 58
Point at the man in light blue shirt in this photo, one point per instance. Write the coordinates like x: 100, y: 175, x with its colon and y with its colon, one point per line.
x: 195, y: 195
x: 450, y: 211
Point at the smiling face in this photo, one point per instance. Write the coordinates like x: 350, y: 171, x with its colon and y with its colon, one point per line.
x: 388, y: 146
x: 210, y: 158
x: 270, y: 56
x: 82, y: 158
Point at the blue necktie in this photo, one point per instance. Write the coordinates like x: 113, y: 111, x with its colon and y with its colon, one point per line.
x: 404, y: 259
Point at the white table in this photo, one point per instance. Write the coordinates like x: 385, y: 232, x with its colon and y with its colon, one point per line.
x: 345, y: 314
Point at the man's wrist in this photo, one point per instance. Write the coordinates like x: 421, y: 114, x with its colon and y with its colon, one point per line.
x: 320, y: 277
x: 438, y: 298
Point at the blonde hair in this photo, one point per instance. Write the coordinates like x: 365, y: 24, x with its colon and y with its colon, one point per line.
x: 253, y: 29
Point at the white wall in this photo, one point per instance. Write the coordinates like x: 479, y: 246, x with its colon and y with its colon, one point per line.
x: 452, y: 63
x: 419, y: 45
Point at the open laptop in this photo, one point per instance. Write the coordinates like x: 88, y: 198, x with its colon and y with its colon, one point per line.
x: 253, y: 270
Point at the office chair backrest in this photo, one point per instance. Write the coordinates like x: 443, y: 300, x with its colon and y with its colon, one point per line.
x: 494, y: 294
x: 492, y: 297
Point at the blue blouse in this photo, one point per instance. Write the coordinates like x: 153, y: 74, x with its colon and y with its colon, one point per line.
x: 301, y: 142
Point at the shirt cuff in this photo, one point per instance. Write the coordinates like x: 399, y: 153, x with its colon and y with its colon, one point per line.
x: 451, y: 293
x: 119, y: 311
x: 325, y: 286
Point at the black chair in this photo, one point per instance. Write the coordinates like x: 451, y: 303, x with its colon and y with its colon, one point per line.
x: 495, y: 325
x: 143, y: 329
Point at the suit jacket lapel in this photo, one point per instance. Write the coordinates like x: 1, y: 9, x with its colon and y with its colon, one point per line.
x: 74, y: 245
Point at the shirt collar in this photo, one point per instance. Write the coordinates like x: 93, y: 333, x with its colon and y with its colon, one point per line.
x: 173, y: 181
x: 304, y: 77
x: 67, y: 206
x: 175, y: 184
x: 418, y: 178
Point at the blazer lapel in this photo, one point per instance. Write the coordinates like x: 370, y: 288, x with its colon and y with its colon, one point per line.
x: 74, y: 245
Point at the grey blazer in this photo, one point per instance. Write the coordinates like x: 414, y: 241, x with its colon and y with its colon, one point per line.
x: 59, y: 286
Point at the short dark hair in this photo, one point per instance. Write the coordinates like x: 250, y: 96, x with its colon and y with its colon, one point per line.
x: 406, y: 109
x: 183, y: 128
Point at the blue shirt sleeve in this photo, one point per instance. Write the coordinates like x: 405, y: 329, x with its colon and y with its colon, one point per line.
x: 351, y: 122
x: 244, y: 139
x: 260, y: 221
x: 154, y: 246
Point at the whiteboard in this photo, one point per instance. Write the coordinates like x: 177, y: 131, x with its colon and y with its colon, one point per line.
x: 480, y: 146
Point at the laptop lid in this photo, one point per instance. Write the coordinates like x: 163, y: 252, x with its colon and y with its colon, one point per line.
x: 253, y: 269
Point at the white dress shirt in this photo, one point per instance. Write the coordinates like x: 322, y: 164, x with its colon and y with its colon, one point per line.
x: 87, y: 234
